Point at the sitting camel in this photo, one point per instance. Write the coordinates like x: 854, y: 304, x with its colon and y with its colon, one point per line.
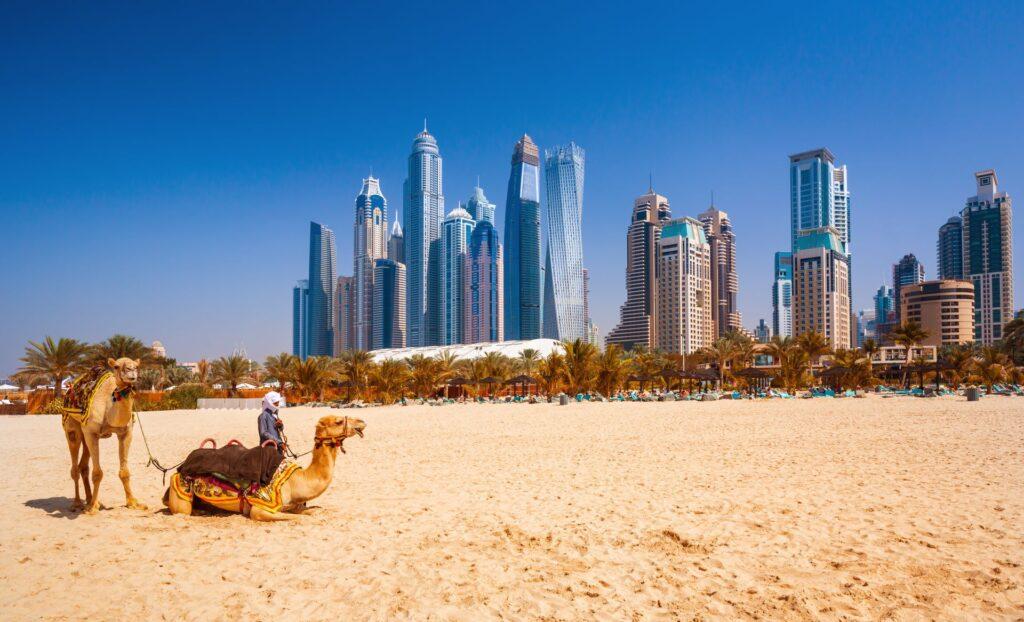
x: 107, y: 411
x: 286, y: 495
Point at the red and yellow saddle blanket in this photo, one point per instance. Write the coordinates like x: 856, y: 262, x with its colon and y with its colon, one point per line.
x: 226, y: 495
x: 82, y: 392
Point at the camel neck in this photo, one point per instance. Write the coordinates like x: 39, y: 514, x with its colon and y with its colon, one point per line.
x: 317, y: 476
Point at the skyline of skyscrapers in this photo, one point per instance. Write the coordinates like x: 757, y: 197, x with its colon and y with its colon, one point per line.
x: 522, y: 249
x: 565, y: 316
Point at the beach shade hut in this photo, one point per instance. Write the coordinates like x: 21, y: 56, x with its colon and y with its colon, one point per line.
x: 755, y: 377
x: 491, y: 381
x: 833, y: 376
x: 705, y: 375
x: 521, y: 380
x: 458, y: 382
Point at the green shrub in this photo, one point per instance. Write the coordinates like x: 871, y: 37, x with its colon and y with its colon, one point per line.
x: 186, y: 397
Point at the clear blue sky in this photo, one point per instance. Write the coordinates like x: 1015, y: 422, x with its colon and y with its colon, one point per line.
x: 159, y: 166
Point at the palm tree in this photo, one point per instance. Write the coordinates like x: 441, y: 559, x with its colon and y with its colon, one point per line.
x: 958, y: 361
x: 992, y: 366
x: 793, y: 361
x: 54, y: 360
x: 551, y: 372
x: 721, y: 352
x: 859, y: 366
x: 497, y: 365
x: 870, y: 347
x: 354, y: 365
x: 312, y: 376
x: 909, y: 336
x: 528, y: 360
x: 232, y: 371
x: 203, y: 372
x: 645, y: 364
x: 122, y: 346
x: 425, y: 374
x: 611, y: 369
x: 815, y: 345
x: 390, y: 378
x: 580, y: 358
x: 280, y: 367
x: 447, y: 364
x: 1013, y: 338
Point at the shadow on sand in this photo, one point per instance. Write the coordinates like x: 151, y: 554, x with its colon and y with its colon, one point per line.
x: 57, y: 507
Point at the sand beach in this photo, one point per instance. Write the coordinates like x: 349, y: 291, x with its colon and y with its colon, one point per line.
x: 870, y: 508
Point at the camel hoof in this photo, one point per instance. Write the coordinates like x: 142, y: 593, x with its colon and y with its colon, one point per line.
x: 135, y: 505
x: 91, y: 510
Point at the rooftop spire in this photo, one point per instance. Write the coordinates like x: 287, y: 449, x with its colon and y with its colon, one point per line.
x: 424, y: 124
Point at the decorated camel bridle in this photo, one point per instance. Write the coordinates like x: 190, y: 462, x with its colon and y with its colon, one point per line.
x: 334, y: 441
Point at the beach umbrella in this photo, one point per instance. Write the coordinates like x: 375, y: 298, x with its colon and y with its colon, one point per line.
x: 521, y: 379
x: 754, y: 376
x: 491, y: 380
x: 457, y: 381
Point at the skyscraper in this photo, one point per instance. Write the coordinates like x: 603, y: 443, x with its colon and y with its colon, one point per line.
x: 323, y: 262
x: 907, y: 271
x: 479, y: 207
x: 762, y: 332
x: 821, y: 289
x: 724, y: 280
x: 988, y: 256
x: 951, y: 249
x: 819, y: 194
x: 484, y: 310
x: 396, y: 243
x: 885, y: 304
x: 424, y: 208
x: 300, y: 312
x: 344, y: 313
x: 455, y: 234
x: 388, y: 304
x: 586, y: 305
x: 368, y: 245
x: 782, y: 295
x: 522, y: 244
x: 638, y: 315
x: 685, y: 322
x: 564, y: 308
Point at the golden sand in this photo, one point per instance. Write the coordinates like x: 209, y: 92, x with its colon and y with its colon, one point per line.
x: 801, y: 509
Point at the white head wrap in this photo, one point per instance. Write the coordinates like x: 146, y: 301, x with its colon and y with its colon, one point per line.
x: 272, y: 401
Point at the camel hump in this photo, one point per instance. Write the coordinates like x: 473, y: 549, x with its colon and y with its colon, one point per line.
x: 83, y: 391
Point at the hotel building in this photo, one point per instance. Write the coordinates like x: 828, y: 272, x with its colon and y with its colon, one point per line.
x: 945, y: 309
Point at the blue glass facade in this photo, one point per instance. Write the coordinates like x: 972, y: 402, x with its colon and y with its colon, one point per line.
x: 457, y: 229
x: 389, y: 324
x: 782, y: 295
x: 564, y: 314
x: 479, y: 208
x: 300, y: 311
x: 424, y: 208
x: 522, y: 244
x: 323, y: 262
x: 368, y: 245
x: 483, y: 317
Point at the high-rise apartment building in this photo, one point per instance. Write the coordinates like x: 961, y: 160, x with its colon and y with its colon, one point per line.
x: 522, y: 268
x: 685, y: 322
x: 782, y: 295
x: 455, y: 235
x: 323, y: 273
x: 944, y: 309
x: 907, y: 271
x: 424, y: 208
x: 638, y: 315
x: 344, y: 312
x: 564, y: 306
x: 885, y: 304
x: 821, y: 288
x: 396, y: 243
x: 724, y: 280
x: 479, y: 207
x: 762, y: 332
x: 819, y: 194
x: 484, y: 310
x: 300, y: 312
x: 389, y: 289
x: 951, y: 249
x: 586, y: 304
x: 988, y: 256
x: 369, y: 243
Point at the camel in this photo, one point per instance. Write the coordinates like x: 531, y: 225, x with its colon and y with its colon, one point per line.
x: 108, y: 413
x: 300, y: 485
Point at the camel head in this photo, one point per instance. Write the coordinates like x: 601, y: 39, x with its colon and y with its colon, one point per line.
x: 126, y: 370
x: 334, y: 430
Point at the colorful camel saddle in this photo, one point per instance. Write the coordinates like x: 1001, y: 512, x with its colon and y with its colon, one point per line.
x: 234, y: 496
x: 82, y: 392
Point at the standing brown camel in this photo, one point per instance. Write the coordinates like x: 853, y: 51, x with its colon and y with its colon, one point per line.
x: 106, y: 411
x: 286, y: 495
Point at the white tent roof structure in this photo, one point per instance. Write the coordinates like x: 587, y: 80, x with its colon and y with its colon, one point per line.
x: 8, y: 387
x: 470, y: 351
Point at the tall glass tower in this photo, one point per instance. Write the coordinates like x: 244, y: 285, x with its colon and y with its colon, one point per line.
x: 457, y: 229
x: 424, y: 208
x: 782, y: 295
x: 951, y: 249
x: 819, y: 194
x: 522, y: 244
x: 323, y: 270
x: 988, y: 256
x: 483, y: 313
x: 479, y: 207
x: 565, y: 316
x: 300, y: 311
x: 369, y: 239
x: 907, y: 271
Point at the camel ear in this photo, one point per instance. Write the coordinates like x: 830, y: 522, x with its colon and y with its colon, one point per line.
x: 138, y: 362
x: 112, y: 363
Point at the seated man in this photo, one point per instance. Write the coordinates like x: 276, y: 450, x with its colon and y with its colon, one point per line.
x: 270, y: 425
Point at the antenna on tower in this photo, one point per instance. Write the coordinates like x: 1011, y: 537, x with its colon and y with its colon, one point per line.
x: 424, y: 124
x: 477, y: 181
x: 712, y: 198
x: 650, y: 182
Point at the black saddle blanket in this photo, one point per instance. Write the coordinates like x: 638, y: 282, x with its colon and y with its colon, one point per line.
x: 235, y: 462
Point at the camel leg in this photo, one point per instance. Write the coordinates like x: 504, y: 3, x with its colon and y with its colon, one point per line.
x: 74, y: 439
x: 176, y: 504
x: 124, y: 442
x: 263, y: 516
x: 83, y: 471
x: 92, y: 445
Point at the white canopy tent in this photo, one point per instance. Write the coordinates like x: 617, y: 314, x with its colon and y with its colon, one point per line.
x: 470, y: 351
